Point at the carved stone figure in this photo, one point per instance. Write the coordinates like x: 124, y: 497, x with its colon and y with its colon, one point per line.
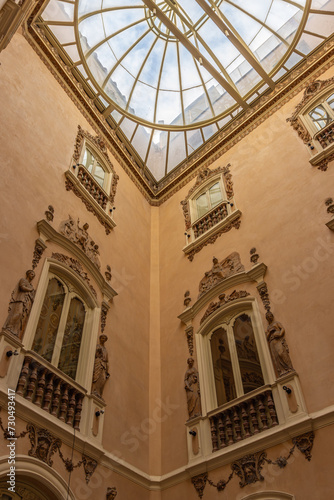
x: 79, y: 235
x: 101, y: 373
x: 278, y: 346
x: 191, y: 385
x: 20, y: 305
x: 220, y: 271
x: 248, y: 468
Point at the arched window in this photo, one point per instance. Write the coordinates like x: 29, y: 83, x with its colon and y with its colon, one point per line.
x: 322, y: 114
x: 60, y: 326
x: 208, y: 199
x: 235, y: 359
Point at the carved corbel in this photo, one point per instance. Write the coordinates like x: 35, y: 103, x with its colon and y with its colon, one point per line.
x: 199, y: 483
x: 304, y: 444
x: 89, y: 467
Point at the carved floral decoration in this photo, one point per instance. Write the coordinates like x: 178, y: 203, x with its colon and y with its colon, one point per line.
x: 249, y: 468
x: 76, y: 266
x: 220, y: 270
x: 72, y: 230
x: 223, y: 299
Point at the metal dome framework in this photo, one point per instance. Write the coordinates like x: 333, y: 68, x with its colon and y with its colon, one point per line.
x: 170, y: 74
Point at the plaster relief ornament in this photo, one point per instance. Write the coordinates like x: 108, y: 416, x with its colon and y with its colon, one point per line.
x: 101, y: 373
x: 220, y: 271
x: 20, y: 305
x: 278, y: 346
x: 111, y: 493
x: 248, y: 468
x: 191, y: 385
x: 43, y: 444
x: 79, y: 235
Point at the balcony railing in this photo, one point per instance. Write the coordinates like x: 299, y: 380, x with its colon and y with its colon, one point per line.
x: 243, y: 420
x: 210, y: 219
x: 93, y: 187
x: 49, y: 391
x: 326, y: 135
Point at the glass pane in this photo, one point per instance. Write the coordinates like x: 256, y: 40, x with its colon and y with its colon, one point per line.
x: 88, y: 160
x: 49, y: 318
x: 69, y: 354
x: 99, y: 174
x: 215, y: 195
x: 250, y: 367
x: 330, y: 101
x: 202, y: 205
x: 222, y: 367
x: 320, y: 117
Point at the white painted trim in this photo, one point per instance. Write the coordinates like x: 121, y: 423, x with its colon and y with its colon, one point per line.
x: 269, y: 495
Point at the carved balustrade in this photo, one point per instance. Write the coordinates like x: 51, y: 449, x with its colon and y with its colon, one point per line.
x: 326, y: 135
x: 243, y: 420
x: 210, y: 219
x: 49, y: 391
x: 93, y: 187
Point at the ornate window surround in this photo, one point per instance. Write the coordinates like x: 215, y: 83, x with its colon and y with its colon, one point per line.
x: 97, y: 199
x: 320, y: 142
x: 203, y: 230
x: 290, y: 419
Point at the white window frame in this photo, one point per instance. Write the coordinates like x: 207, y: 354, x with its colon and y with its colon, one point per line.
x: 206, y: 370
x: 205, y: 189
x: 90, y: 330
x: 322, y: 100
x: 87, y: 145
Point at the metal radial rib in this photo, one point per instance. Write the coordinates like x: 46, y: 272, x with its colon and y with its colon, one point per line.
x: 243, y: 49
x: 196, y: 53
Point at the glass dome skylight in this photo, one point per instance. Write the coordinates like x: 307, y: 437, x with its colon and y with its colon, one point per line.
x: 172, y: 73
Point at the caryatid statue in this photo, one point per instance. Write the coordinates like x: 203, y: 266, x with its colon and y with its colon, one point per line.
x: 101, y: 367
x: 20, y: 305
x: 191, y: 385
x: 278, y: 346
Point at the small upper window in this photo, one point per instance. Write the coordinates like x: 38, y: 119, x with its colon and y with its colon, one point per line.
x: 209, y: 199
x: 322, y: 114
x: 235, y: 360
x: 60, y: 327
x: 94, y: 167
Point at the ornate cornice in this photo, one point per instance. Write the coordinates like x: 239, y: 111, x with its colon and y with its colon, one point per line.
x: 157, y: 193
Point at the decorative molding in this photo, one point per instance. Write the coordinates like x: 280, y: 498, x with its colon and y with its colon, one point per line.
x: 311, y: 91
x: 227, y: 176
x: 187, y: 298
x: 254, y: 257
x: 49, y: 214
x: 73, y: 183
x: 76, y: 266
x: 43, y: 444
x: 89, y: 467
x: 111, y: 493
x: 47, y: 232
x: 40, y: 246
x: 104, y: 312
x: 304, y: 444
x: 264, y: 295
x: 249, y: 468
x: 199, y: 483
x: 190, y: 339
x: 219, y: 272
x: 209, y: 237
x: 12, y: 15
x: 256, y: 274
x: 80, y: 237
x: 223, y: 299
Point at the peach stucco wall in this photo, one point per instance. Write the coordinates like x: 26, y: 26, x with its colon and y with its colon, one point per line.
x: 281, y: 198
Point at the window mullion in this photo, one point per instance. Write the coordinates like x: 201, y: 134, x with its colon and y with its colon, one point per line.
x: 235, y: 363
x: 61, y: 329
